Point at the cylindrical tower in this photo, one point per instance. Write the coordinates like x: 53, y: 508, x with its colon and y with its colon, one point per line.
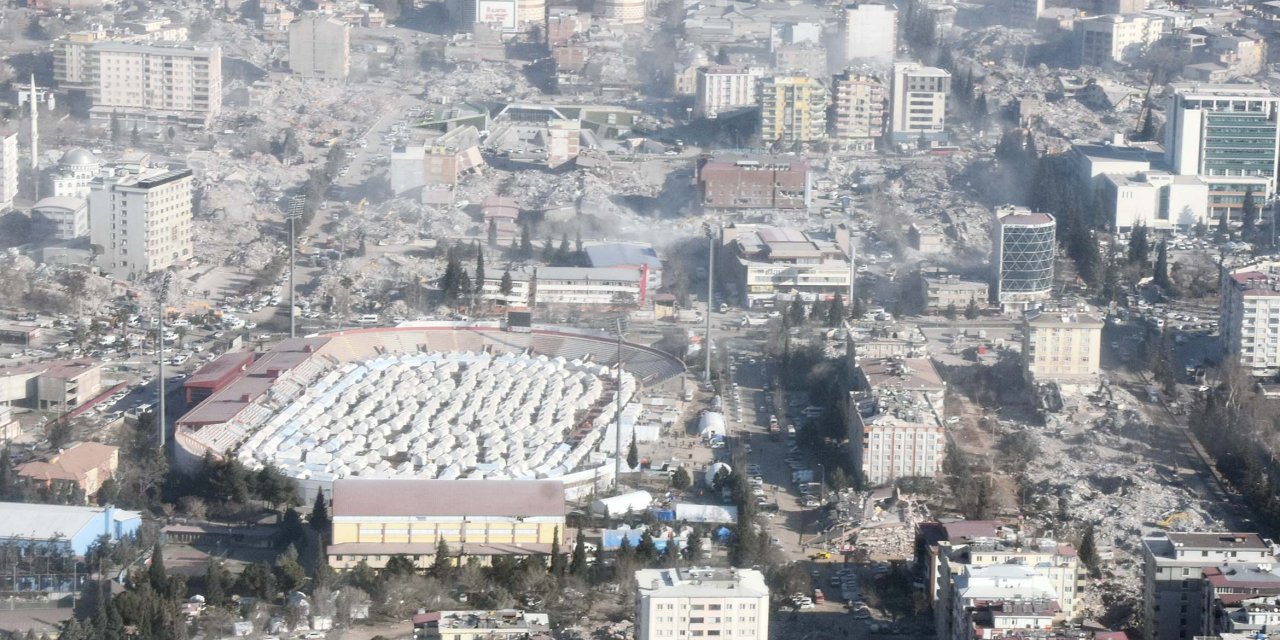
x: 531, y: 13
x: 621, y: 11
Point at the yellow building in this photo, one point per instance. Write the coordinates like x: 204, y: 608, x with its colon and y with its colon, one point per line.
x: 376, y: 519
x: 1062, y: 346
x: 792, y: 109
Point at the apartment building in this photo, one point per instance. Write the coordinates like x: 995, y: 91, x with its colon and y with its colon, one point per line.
x: 1062, y: 346
x: 1026, y: 13
x: 765, y: 262
x: 56, y: 385
x: 320, y: 47
x: 563, y: 138
x: 869, y: 33
x: 375, y: 519
x: 504, y: 624
x: 8, y: 168
x: 589, y: 286
x: 1240, y: 598
x: 721, y: 88
x: 792, y: 109
x: 961, y: 555
x: 893, y: 419
x: 152, y: 86
x: 1249, y: 317
x: 943, y: 291
x: 1114, y: 39
x: 141, y: 218
x: 995, y: 601
x: 689, y: 602
x: 1175, y: 582
x: 519, y: 294
x: 60, y: 218
x: 1024, y: 257
x: 1226, y: 135
x: 726, y: 183
x: 858, y: 110
x: 918, y: 99
x: 79, y: 469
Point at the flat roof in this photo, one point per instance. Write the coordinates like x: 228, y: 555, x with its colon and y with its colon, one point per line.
x: 1209, y: 90
x: 1219, y: 540
x: 701, y: 582
x: 906, y: 373
x: 218, y: 371
x: 404, y: 498
x: 24, y: 521
x: 587, y: 273
x: 622, y: 253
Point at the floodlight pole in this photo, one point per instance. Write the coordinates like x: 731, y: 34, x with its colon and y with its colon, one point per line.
x: 711, y: 266
x: 617, y: 452
x: 295, y: 211
x: 160, y: 417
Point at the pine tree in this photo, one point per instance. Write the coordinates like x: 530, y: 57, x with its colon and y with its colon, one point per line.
x: 556, y: 567
x: 493, y: 233
x: 1161, y: 274
x: 1248, y: 213
x: 1088, y: 552
x: 795, y: 313
x: 633, y: 453
x: 479, y: 283
x: 1224, y: 228
x: 971, y: 311
x: 562, y: 253
x: 156, y: 574
x: 464, y: 284
x: 215, y: 586
x: 548, y: 251
x: 680, y: 480
x: 134, y: 136
x: 442, y: 565
x: 693, y: 547
x: 1139, y: 248
x: 817, y: 312
x: 950, y: 311
x: 289, y: 572
x: 7, y: 478
x: 505, y: 286
x: 1148, y: 131
x: 319, y: 518
x: 835, y: 312
x: 647, y: 549
x: 578, y: 562
x: 577, y: 243
x: 115, y: 128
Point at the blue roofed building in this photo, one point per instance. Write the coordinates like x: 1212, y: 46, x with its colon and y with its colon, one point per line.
x: 74, y: 528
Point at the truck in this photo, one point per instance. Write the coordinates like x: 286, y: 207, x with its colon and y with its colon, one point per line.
x: 802, y: 476
x: 775, y: 432
x: 819, y: 597
x: 754, y: 321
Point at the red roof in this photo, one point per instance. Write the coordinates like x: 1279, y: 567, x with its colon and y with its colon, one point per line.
x: 220, y: 371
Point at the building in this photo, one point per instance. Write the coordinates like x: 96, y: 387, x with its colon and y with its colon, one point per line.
x: 1026, y: 13
x: 76, y: 169
x: 519, y: 295
x: 80, y: 469
x: 765, y: 264
x: 893, y: 420
x: 1226, y: 135
x: 1062, y: 346
x: 320, y: 47
x: 966, y: 554
x: 54, y: 385
x: 858, y: 110
x: 1240, y: 598
x: 504, y: 624
x: 588, y: 286
x: 68, y: 528
x: 943, y: 291
x: 1174, y: 581
x: 691, y: 601
x: 792, y: 109
x: 1114, y: 39
x: 869, y: 33
x: 1157, y: 200
x: 563, y: 138
x: 918, y: 100
x: 721, y: 88
x: 375, y: 519
x: 753, y: 183
x: 1248, y: 313
x: 927, y: 238
x: 60, y: 218
x: 1024, y: 254
x: 153, y: 86
x: 994, y: 601
x: 624, y: 12
x: 628, y: 255
x: 8, y: 168
x: 501, y: 15
x: 436, y: 164
x: 141, y: 218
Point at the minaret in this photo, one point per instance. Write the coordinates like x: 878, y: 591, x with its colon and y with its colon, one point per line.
x: 35, y: 139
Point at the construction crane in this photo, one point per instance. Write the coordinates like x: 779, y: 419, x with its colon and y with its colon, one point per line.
x: 1146, y: 103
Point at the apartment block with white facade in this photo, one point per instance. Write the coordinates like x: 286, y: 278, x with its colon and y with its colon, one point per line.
x: 517, y: 295
x: 869, y: 33
x: 858, y: 110
x: 1249, y: 317
x: 1063, y: 346
x: 1115, y: 38
x: 154, y: 86
x: 918, y: 101
x: 690, y: 602
x: 767, y: 262
x: 8, y: 167
x: 724, y: 88
x: 140, y: 217
x: 1175, y: 582
x: 320, y: 47
x: 588, y: 286
x: 894, y: 424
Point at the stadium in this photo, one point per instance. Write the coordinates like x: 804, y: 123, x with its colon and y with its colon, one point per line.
x: 427, y: 400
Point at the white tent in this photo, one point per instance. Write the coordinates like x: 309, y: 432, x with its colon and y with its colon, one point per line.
x: 634, y: 502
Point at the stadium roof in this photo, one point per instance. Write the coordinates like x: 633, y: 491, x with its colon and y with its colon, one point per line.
x: 510, y: 498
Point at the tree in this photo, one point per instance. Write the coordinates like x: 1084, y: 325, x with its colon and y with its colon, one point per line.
x: 216, y: 581
x: 1148, y: 131
x: 633, y: 452
x: 971, y: 311
x: 442, y: 564
x: 273, y: 487
x: 835, y: 312
x: 548, y: 251
x: 1248, y: 213
x: 1224, y: 228
x: 578, y: 560
x: 256, y: 579
x: 291, y: 529
x: 950, y: 311
x: 398, y: 565
x: 505, y: 286
x: 817, y: 312
x: 526, y: 242
x: 1139, y: 247
x: 8, y: 480
x: 1089, y: 551
x: 557, y: 565
x: 493, y: 233
x: 562, y: 252
x: 680, y: 480
x: 134, y: 137
x: 646, y: 549
x: 319, y: 518
x: 290, y: 575
x: 1161, y: 274
x: 479, y: 282
x: 288, y: 145
x: 795, y: 313
x: 693, y: 547
x: 157, y: 577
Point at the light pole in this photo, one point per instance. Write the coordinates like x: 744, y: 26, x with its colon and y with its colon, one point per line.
x: 711, y: 270
x: 160, y: 416
x: 617, y: 419
x: 296, y: 205
x: 822, y: 483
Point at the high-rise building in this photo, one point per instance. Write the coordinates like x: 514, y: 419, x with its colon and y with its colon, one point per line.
x: 1062, y: 347
x: 320, y: 47
x: 1116, y: 38
x: 869, y: 33
x: 8, y: 168
x: 1249, y: 317
x: 1025, y: 13
x: 1024, y: 254
x: 792, y: 109
x: 893, y: 419
x: 857, y: 111
x: 1174, y: 564
x: 919, y: 103
x: 722, y: 88
x: 141, y: 218
x: 621, y: 11
x: 692, y: 601
x: 1226, y: 134
x: 151, y: 86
